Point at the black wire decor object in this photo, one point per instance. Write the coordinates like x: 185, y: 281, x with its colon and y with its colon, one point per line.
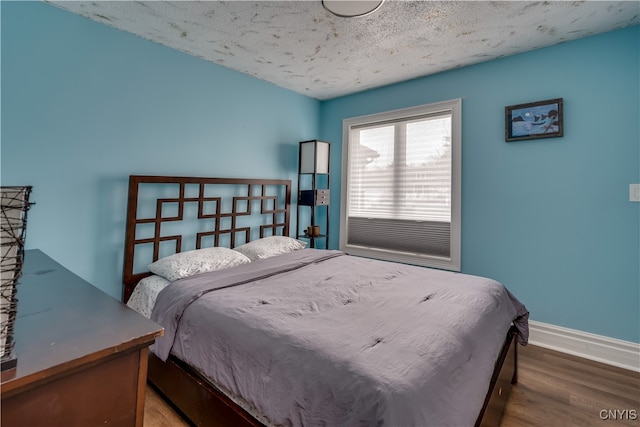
x: 15, y: 205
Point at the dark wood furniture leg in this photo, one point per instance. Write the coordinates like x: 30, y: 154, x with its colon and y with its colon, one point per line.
x: 504, y: 376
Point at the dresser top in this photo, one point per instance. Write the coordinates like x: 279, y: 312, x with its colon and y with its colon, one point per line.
x: 63, y: 323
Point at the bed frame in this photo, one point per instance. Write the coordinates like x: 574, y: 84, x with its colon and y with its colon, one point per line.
x: 192, y: 395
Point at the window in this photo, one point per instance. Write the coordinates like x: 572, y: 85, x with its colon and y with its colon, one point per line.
x: 401, y: 185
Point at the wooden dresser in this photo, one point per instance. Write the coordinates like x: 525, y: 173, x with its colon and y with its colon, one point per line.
x: 81, y: 355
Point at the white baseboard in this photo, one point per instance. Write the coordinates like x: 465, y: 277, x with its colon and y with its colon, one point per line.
x: 623, y: 354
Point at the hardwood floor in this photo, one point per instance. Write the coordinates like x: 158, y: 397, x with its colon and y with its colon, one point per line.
x: 557, y: 389
x: 554, y: 389
x: 158, y: 413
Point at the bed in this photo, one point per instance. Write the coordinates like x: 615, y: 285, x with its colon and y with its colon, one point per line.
x: 297, y: 336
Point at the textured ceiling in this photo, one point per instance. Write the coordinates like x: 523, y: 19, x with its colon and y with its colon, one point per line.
x: 300, y: 46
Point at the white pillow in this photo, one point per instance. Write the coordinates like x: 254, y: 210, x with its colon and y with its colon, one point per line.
x: 270, y: 246
x: 144, y: 295
x: 185, y: 264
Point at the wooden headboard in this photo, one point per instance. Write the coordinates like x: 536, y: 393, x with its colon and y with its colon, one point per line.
x: 224, y: 213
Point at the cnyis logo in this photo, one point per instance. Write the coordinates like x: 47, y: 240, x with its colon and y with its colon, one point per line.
x: 619, y: 414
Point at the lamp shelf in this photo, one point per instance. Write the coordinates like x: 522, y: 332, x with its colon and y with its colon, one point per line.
x: 313, y: 191
x: 306, y: 236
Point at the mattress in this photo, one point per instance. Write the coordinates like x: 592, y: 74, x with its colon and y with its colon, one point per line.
x: 323, y: 338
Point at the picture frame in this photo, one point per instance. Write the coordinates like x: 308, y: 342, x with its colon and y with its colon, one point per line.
x: 534, y: 120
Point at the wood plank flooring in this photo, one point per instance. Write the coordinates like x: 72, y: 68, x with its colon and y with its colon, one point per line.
x: 554, y: 389
x: 557, y: 389
x: 158, y: 413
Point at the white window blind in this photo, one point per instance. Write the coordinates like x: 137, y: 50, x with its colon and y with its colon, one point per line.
x: 401, y: 199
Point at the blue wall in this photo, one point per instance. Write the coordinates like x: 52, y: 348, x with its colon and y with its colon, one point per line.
x: 85, y: 105
x: 550, y: 218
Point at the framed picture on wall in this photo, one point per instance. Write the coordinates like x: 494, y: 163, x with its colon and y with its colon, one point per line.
x: 542, y: 119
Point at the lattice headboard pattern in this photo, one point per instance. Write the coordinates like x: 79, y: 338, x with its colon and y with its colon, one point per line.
x: 167, y: 215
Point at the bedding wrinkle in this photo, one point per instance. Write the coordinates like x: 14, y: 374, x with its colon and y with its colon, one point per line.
x: 321, y: 338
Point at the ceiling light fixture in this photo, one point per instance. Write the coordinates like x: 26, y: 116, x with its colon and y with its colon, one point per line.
x: 352, y: 9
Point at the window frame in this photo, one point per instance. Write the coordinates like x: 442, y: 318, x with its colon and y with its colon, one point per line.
x: 453, y: 262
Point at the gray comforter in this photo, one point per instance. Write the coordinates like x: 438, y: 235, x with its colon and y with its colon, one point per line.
x: 320, y: 338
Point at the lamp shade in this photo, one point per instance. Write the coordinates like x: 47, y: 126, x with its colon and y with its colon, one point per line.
x: 314, y: 156
x: 13, y: 221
